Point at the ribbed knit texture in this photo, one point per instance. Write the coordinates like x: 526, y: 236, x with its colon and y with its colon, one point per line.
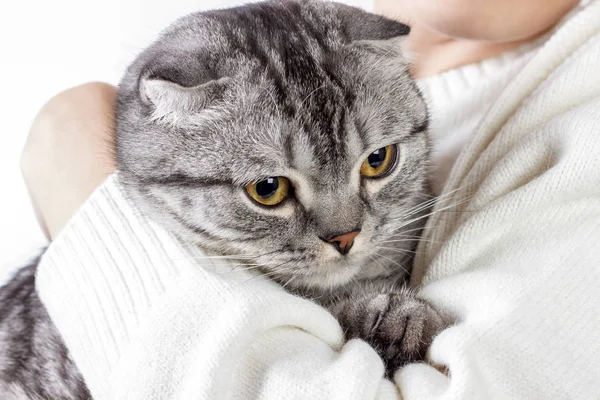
x: 516, y: 262
x: 458, y: 99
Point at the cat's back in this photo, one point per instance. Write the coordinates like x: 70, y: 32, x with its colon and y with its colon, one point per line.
x: 34, y: 362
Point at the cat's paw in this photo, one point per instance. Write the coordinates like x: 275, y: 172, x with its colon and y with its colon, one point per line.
x: 399, y: 326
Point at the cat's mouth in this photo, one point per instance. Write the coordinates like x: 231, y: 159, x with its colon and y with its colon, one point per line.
x: 365, y: 261
x: 333, y: 272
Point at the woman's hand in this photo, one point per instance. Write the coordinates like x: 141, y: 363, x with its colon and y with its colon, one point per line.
x: 69, y: 152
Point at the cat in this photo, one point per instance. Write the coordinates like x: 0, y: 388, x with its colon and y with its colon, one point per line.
x: 289, y: 133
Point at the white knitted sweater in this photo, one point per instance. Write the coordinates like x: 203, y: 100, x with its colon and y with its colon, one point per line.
x: 516, y: 263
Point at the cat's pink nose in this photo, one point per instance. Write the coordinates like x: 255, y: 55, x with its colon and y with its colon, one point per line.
x: 343, y: 243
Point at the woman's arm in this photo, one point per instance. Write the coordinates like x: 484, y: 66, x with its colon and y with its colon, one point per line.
x: 69, y: 152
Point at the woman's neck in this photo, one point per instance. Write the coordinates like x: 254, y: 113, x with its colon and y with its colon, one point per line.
x: 444, y: 37
x: 434, y: 53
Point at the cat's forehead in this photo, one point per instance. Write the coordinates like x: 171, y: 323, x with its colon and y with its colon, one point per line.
x: 323, y: 138
x: 321, y: 130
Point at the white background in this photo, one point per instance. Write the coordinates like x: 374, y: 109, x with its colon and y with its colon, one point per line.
x: 47, y: 46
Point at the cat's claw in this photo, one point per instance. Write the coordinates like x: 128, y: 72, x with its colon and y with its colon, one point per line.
x: 399, y: 326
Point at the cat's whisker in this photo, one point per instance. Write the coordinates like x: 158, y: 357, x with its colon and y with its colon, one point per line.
x: 412, y: 239
x: 419, y: 207
x: 209, y: 258
x: 383, y: 267
x: 290, y: 281
x: 255, y: 266
x: 263, y: 275
x: 434, y: 200
x: 429, y: 214
x: 406, y: 234
x: 239, y: 257
x: 236, y: 266
x: 217, y: 261
x: 429, y: 202
x: 402, y: 251
x: 418, y: 228
x: 395, y: 262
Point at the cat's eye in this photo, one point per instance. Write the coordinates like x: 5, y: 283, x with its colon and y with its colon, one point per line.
x: 269, y: 192
x: 379, y: 162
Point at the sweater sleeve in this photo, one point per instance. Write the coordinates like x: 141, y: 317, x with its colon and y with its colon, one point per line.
x: 147, y: 317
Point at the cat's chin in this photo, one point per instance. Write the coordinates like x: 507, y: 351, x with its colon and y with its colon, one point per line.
x: 330, y: 275
x: 329, y: 281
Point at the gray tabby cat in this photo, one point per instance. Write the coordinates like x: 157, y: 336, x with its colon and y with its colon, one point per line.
x: 288, y: 134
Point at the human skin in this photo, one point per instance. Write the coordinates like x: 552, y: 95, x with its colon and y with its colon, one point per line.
x: 69, y: 149
x: 69, y: 152
x: 449, y: 33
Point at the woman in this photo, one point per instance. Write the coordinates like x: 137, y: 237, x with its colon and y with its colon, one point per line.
x: 514, y: 87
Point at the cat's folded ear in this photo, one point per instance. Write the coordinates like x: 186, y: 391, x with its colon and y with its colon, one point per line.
x: 376, y: 34
x: 361, y: 25
x: 172, y: 99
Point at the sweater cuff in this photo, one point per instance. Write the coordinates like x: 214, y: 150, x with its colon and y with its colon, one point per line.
x: 102, y: 274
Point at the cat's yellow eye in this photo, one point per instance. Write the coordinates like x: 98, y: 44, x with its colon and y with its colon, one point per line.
x: 379, y: 162
x: 269, y: 192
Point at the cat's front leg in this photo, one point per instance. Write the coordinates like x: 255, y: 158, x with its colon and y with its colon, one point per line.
x: 397, y: 324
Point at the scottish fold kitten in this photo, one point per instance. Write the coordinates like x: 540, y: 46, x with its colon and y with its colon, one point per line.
x: 287, y: 134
